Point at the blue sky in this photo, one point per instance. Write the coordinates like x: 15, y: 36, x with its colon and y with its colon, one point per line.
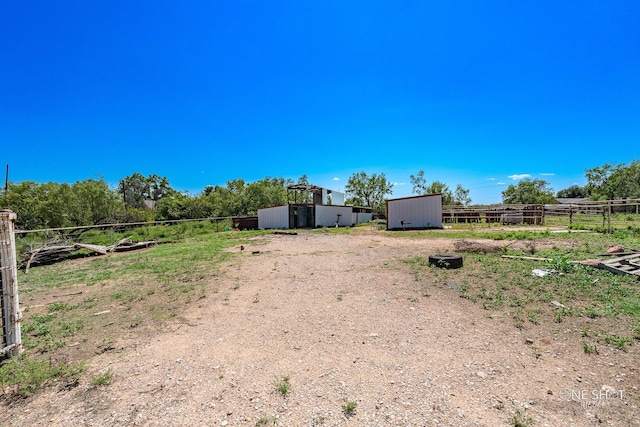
x: 472, y: 92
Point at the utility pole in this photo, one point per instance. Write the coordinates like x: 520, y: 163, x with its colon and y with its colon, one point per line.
x: 6, y: 184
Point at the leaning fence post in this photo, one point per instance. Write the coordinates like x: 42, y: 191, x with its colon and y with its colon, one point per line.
x: 11, y: 316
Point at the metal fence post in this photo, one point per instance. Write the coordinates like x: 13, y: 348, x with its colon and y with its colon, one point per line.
x: 11, y: 316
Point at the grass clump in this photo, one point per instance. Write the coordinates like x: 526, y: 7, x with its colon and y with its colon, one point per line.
x: 24, y: 375
x: 105, y: 378
x: 265, y: 421
x: 349, y: 408
x: 589, y: 348
x: 283, y: 386
x: 520, y: 419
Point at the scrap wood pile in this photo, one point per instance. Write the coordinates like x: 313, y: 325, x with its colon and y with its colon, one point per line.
x: 52, y: 253
x: 624, y: 261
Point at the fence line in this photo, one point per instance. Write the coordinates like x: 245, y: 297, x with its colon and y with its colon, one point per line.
x: 603, y: 215
x: 11, y: 316
x: 128, y: 224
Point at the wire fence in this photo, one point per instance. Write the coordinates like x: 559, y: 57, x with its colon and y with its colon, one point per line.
x: 29, y: 241
x: 605, y: 216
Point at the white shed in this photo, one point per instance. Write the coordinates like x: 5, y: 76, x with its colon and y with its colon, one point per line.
x: 419, y: 212
x: 276, y: 217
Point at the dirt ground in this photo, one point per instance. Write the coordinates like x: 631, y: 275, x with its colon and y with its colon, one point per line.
x: 343, y: 318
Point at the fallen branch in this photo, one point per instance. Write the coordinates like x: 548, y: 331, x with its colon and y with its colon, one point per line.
x: 533, y: 258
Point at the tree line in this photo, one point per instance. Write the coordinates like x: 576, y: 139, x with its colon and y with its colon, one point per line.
x: 140, y: 198
x: 607, y: 182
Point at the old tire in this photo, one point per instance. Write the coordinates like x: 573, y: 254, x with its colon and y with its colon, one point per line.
x: 446, y: 260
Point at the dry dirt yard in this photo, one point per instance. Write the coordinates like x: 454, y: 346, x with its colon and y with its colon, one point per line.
x: 335, y: 319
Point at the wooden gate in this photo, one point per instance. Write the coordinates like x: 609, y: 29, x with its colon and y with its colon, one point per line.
x: 11, y: 339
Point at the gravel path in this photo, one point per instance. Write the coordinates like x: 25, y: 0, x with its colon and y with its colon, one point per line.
x: 344, y: 319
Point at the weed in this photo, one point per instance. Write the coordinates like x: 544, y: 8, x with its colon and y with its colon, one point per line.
x: 283, y: 386
x: 589, y: 349
x: 265, y: 421
x: 413, y: 299
x: 317, y: 421
x: 104, y: 378
x: 635, y: 330
x: 592, y: 313
x: 532, y: 315
x: 349, y: 408
x: 618, y: 341
x: 518, y: 319
x: 339, y: 297
x: 256, y: 298
x: 562, y: 265
x: 520, y: 419
x: 536, y: 351
x: 424, y: 291
x: 561, y: 314
x: 58, y: 306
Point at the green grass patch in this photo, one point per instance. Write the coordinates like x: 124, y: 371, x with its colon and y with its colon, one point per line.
x: 104, y: 378
x: 22, y: 376
x: 96, y: 299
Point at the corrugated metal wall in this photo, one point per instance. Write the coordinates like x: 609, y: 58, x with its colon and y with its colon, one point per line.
x: 275, y: 217
x: 360, y: 217
x: 416, y: 212
x: 326, y: 215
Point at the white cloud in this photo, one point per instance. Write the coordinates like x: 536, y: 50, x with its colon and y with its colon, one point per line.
x: 491, y: 179
x: 335, y: 178
x: 398, y: 183
x: 548, y: 174
x: 519, y: 176
x: 501, y: 183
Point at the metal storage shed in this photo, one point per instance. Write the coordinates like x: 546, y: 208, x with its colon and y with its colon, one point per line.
x: 419, y: 212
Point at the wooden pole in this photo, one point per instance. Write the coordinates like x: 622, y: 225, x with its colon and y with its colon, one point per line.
x: 609, y: 217
x: 570, y: 215
x: 12, y: 339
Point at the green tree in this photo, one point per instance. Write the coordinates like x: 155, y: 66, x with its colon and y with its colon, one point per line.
x: 528, y: 191
x: 364, y: 190
x: 137, y: 189
x: 94, y: 203
x: 265, y: 192
x: 461, y: 196
x: 52, y: 205
x: 421, y: 187
x: 24, y: 198
x: 572, y: 192
x: 419, y: 183
x: 609, y: 182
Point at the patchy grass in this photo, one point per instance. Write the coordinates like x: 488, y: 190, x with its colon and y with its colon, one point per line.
x: 104, y: 378
x: 77, y: 308
x: 577, y: 295
x: 22, y: 376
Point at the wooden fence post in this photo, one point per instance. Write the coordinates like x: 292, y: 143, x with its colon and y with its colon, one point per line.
x: 570, y: 215
x: 11, y: 316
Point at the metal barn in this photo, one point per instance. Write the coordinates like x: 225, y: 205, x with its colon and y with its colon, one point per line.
x: 415, y: 213
x: 312, y: 207
x: 276, y: 217
x: 308, y: 216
